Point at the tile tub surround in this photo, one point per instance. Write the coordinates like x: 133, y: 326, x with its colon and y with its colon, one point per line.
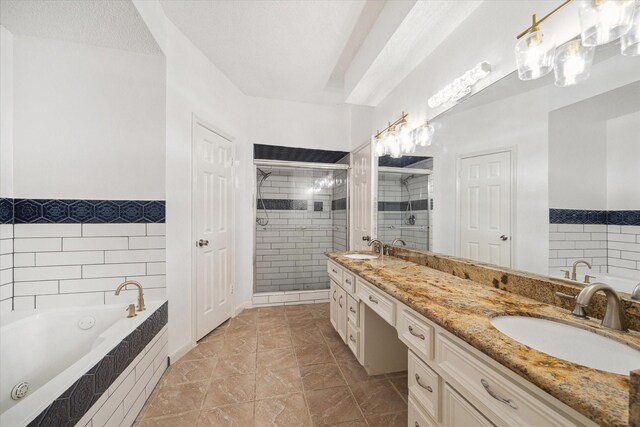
x: 283, y: 366
x: 114, y: 390
x: 464, y: 307
x: 59, y: 265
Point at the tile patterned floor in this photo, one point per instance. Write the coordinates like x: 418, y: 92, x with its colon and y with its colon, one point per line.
x: 275, y: 366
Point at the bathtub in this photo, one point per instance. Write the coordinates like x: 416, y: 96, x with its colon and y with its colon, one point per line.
x: 621, y: 284
x: 52, y: 349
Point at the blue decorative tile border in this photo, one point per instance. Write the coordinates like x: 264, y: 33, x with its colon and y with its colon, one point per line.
x: 339, y: 204
x: 6, y: 211
x: 282, y: 204
x: 581, y: 216
x: 35, y: 211
x: 416, y: 205
x: 69, y: 407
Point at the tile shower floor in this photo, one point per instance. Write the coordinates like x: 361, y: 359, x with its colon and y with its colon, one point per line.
x: 275, y: 366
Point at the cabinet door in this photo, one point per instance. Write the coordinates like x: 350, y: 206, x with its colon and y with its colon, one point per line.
x: 333, y: 304
x: 341, y: 315
x: 460, y: 413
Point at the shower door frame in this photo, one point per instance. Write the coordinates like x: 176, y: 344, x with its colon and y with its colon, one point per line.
x: 410, y: 171
x: 283, y: 164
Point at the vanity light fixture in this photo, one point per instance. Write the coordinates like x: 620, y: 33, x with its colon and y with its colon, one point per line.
x: 603, y: 21
x: 460, y: 87
x: 573, y: 63
x: 397, y: 139
x: 630, y: 41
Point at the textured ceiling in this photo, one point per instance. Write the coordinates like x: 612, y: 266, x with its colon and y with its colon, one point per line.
x: 107, y: 23
x: 277, y: 49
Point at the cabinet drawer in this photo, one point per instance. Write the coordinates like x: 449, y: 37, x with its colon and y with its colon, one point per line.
x: 460, y: 413
x: 511, y: 403
x: 353, y: 311
x: 349, y: 282
x: 417, y: 417
x: 334, y: 271
x: 424, y: 386
x: 353, y: 339
x: 378, y: 301
x: 416, y: 334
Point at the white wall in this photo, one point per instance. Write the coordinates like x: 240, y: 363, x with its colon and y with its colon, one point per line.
x: 623, y: 157
x: 89, y: 120
x: 6, y: 113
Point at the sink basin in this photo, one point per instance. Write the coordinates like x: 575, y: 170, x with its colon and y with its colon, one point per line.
x: 360, y: 256
x: 570, y: 343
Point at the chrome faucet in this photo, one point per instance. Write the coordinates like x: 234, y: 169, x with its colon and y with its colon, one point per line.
x: 636, y: 293
x: 140, y: 292
x: 380, y: 246
x: 575, y: 264
x: 398, y: 240
x: 614, y: 317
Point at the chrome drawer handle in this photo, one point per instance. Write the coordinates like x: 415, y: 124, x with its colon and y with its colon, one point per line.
x: 415, y: 334
x: 351, y: 338
x: 493, y: 394
x: 347, y: 281
x: 373, y: 300
x: 351, y: 310
x: 334, y: 295
x: 334, y: 271
x: 340, y: 301
x: 427, y: 387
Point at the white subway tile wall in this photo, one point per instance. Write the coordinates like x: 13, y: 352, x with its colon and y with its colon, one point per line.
x: 60, y: 265
x: 290, y: 249
x: 6, y: 267
x: 612, y: 249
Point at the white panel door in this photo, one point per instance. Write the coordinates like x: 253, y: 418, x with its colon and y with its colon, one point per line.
x: 484, y: 200
x: 212, y: 203
x: 363, y: 225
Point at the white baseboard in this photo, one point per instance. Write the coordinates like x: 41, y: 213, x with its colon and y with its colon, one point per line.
x: 176, y: 355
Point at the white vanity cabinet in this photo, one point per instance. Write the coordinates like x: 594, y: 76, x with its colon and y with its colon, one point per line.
x: 451, y: 384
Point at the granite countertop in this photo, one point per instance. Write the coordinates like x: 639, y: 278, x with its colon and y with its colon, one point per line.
x: 464, y: 308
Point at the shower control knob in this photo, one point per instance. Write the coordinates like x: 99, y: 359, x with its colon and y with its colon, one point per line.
x: 202, y: 243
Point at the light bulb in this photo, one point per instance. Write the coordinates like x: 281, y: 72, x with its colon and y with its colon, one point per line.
x: 603, y: 21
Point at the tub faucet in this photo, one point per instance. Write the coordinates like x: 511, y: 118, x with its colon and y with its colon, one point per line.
x: 398, y: 240
x: 140, y: 292
x: 636, y: 293
x: 614, y: 317
x: 575, y: 264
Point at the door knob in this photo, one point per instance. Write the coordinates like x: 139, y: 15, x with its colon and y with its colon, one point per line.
x: 504, y: 237
x: 366, y: 238
x: 202, y: 243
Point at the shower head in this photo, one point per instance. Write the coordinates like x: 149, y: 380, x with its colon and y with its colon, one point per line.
x: 264, y: 174
x: 406, y: 180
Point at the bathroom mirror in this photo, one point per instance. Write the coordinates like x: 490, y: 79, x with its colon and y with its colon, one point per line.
x: 404, y: 201
x: 537, y: 177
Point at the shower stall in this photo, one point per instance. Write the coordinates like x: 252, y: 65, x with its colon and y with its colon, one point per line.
x: 405, y: 205
x: 301, y: 212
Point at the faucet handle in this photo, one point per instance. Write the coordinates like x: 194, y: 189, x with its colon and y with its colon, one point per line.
x: 587, y: 278
x: 131, y: 310
x: 566, y: 273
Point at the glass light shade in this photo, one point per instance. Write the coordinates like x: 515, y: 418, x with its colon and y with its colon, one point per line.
x: 404, y: 138
x: 534, y: 55
x: 603, y: 21
x: 424, y: 135
x: 630, y: 41
x: 573, y: 63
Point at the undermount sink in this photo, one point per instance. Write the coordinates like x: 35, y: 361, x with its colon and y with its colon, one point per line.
x: 570, y: 343
x: 360, y: 256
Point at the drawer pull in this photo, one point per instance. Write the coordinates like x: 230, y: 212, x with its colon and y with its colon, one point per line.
x: 334, y: 295
x: 351, y: 309
x: 373, y: 300
x: 493, y: 394
x: 340, y: 301
x: 415, y: 334
x: 417, y: 425
x: 427, y: 387
x: 351, y: 338
x: 347, y: 281
x: 334, y: 271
